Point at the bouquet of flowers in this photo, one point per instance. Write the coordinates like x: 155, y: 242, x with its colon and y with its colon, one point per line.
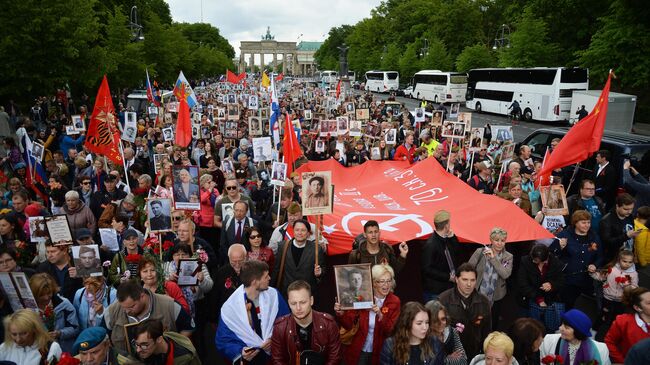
x: 552, y: 360
x: 48, y: 317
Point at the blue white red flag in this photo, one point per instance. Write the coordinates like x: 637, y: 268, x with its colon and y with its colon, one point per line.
x: 189, y: 93
x: 35, y: 171
x: 275, y: 114
x: 150, y: 92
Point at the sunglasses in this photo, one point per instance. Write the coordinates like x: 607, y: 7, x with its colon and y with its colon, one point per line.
x: 231, y: 187
x: 85, y: 183
x: 254, y: 236
x: 178, y: 218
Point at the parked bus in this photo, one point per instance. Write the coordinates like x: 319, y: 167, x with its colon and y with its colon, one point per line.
x: 329, y: 77
x: 543, y: 93
x: 440, y: 87
x: 382, y: 81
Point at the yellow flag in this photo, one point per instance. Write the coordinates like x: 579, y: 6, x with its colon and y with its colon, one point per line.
x: 266, y: 82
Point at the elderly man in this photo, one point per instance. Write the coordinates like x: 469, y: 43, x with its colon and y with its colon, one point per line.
x: 185, y: 234
x: 78, y: 213
x: 524, y: 159
x: 482, y: 181
x: 93, y: 347
x: 185, y: 191
x: 439, y: 257
x: 228, y: 279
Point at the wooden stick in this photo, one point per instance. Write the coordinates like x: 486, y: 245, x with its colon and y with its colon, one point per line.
x: 160, y: 245
x: 316, y: 243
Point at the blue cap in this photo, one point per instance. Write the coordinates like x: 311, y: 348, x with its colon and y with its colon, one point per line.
x: 578, y: 321
x: 88, y: 339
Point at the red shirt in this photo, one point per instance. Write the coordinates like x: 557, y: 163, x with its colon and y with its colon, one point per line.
x: 622, y: 335
x: 402, y: 152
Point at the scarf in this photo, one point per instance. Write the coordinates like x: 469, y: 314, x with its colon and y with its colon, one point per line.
x: 585, y: 353
x: 91, y: 298
x: 489, y: 280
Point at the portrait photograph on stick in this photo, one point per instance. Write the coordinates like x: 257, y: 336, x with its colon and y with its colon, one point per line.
x: 159, y: 214
x: 554, y: 199
x: 186, y: 187
x: 316, y: 192
x: 87, y: 261
x: 354, y: 286
x: 278, y: 173
x: 187, y: 269
x: 59, y: 229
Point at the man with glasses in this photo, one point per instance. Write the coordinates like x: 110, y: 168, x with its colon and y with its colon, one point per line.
x: 233, y: 194
x: 153, y: 346
x: 233, y: 230
x: 136, y: 304
x: 587, y: 200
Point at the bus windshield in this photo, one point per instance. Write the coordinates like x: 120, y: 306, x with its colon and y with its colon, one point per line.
x: 458, y: 79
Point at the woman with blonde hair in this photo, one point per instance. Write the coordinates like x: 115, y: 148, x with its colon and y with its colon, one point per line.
x: 497, y: 349
x: 57, y: 313
x: 412, y: 341
x: 26, y: 340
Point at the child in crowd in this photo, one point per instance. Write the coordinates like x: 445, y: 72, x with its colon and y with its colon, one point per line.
x: 615, y: 279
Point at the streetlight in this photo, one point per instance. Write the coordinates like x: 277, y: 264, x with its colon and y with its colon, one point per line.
x: 502, y: 37
x: 137, y: 34
x: 424, y: 51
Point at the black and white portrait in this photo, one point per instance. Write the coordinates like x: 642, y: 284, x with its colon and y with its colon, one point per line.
x: 37, y: 151
x: 168, y: 134
x: 278, y: 173
x: 391, y: 136
x: 159, y: 213
x: 87, y: 261
x: 253, y: 102
x: 187, y: 270
x: 78, y: 123
x: 262, y: 149
x: 354, y: 286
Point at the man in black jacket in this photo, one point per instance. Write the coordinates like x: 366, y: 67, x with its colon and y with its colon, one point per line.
x: 58, y: 265
x: 617, y: 227
x: 605, y: 177
x: 439, y: 258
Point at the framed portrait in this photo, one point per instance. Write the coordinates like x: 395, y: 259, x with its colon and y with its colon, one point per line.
x: 278, y: 173
x: 87, y: 261
x: 168, y: 119
x: 227, y: 211
x: 354, y: 286
x: 227, y: 167
x: 24, y: 290
x: 230, y: 130
x: 255, y: 127
x: 362, y: 114
x: 37, y: 151
x: 159, y: 213
x: 187, y: 269
x: 507, y: 151
x: 437, y: 118
x: 465, y: 118
x: 221, y: 113
x: 502, y: 133
x: 129, y: 337
x: 38, y: 229
x: 391, y: 136
x: 320, y: 146
x: 186, y: 187
x: 69, y: 130
x: 314, y: 127
x: 152, y: 110
x: 320, y: 116
x: 78, y: 123
x: 264, y: 113
x: 196, y: 131
x: 308, y: 114
x: 10, y: 291
x: 453, y: 110
x: 205, y: 131
x: 172, y: 106
x: 59, y: 230
x: 375, y: 153
x: 231, y: 99
x: 158, y: 158
x: 373, y: 129
x: 317, y: 192
x: 168, y: 134
x: 554, y: 199
x: 355, y: 128
x: 109, y: 239
x: 342, y: 125
x: 325, y: 127
x: 233, y: 112
x: 262, y: 149
x: 476, y: 139
x: 419, y: 115
x: 253, y: 102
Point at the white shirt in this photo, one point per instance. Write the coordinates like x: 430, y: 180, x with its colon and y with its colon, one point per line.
x: 550, y: 342
x: 27, y: 355
x: 367, y: 346
x: 601, y: 167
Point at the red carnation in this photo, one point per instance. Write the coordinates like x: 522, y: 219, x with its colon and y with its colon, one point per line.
x: 228, y: 283
x: 133, y: 258
x: 67, y: 359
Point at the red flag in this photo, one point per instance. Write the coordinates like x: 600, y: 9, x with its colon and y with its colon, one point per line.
x: 290, y: 146
x: 241, y: 76
x: 338, y: 89
x: 583, y: 139
x: 183, y: 124
x: 544, y: 180
x: 103, y: 137
x: 231, y: 77
x: 279, y: 77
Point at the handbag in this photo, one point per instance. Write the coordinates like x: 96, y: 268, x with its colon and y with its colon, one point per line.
x: 550, y: 315
x: 346, y: 336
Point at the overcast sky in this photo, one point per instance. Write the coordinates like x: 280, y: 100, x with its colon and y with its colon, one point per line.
x: 246, y: 20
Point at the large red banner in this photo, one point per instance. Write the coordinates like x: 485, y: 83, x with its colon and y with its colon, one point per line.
x: 404, y: 199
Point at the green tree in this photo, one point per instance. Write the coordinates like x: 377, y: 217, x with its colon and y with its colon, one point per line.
x: 409, y: 63
x: 530, y: 45
x: 206, y: 35
x: 476, y: 56
x: 124, y: 60
x: 437, y: 57
x: 327, y: 56
x: 390, y: 58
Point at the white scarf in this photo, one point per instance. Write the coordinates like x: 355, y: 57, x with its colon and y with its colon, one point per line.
x: 235, y: 317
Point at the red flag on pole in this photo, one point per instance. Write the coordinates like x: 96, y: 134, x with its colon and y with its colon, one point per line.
x: 231, y: 77
x: 543, y: 180
x: 338, y: 89
x: 279, y: 77
x: 241, y: 76
x: 290, y: 146
x: 583, y: 139
x: 183, y: 124
x: 103, y: 137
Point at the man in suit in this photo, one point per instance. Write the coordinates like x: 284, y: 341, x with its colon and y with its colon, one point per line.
x: 184, y: 190
x: 159, y: 221
x: 605, y: 178
x: 233, y: 230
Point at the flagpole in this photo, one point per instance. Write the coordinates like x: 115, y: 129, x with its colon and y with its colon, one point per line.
x: 503, y: 164
x: 280, y: 197
x: 576, y: 167
x: 126, y: 172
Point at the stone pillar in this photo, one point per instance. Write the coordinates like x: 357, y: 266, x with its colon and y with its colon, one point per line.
x: 294, y: 67
x: 275, y: 61
x: 284, y: 63
x: 251, y: 62
x: 262, y: 62
x: 242, y: 64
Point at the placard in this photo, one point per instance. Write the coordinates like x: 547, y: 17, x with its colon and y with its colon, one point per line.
x: 354, y: 286
x: 355, y: 128
x: 278, y: 173
x: 168, y: 134
x: 476, y: 139
x: 317, y: 192
x: 255, y: 127
x: 87, y: 261
x: 391, y: 136
x: 59, y: 230
x: 187, y: 269
x: 342, y: 125
x: 262, y: 149
x: 109, y: 239
x: 186, y: 188
x: 554, y: 199
x: 78, y: 123
x: 38, y: 229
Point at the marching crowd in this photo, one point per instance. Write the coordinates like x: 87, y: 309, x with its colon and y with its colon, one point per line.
x: 260, y: 268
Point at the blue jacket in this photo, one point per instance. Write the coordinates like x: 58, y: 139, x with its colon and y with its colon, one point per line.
x: 577, y: 256
x: 387, y: 353
x: 81, y: 305
x: 65, y: 321
x: 68, y: 142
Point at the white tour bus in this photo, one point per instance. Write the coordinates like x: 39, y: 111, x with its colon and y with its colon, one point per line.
x: 543, y: 93
x: 329, y: 77
x: 440, y: 87
x: 382, y: 81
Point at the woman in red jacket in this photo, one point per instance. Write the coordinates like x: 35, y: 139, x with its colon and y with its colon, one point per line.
x: 629, y: 328
x: 406, y: 152
x: 375, y: 324
x: 204, y: 218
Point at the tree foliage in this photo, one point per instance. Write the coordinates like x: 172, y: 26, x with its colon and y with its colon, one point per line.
x: 530, y: 45
x: 49, y: 44
x: 476, y: 56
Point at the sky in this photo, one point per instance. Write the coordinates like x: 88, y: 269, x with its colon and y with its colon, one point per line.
x: 246, y: 20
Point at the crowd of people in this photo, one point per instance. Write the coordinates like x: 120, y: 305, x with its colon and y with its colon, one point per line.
x: 261, y: 264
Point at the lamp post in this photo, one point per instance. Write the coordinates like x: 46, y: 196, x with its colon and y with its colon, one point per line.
x: 502, y: 37
x: 343, y: 68
x: 137, y: 34
x: 424, y: 51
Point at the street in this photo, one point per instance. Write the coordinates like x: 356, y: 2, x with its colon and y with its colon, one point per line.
x: 479, y: 120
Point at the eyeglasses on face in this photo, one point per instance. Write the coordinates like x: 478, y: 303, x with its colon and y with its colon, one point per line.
x: 178, y: 217
x: 231, y: 187
x: 383, y: 282
x: 142, y: 345
x: 254, y: 236
x: 85, y: 183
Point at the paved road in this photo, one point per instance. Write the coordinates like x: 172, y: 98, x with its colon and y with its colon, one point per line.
x: 479, y: 120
